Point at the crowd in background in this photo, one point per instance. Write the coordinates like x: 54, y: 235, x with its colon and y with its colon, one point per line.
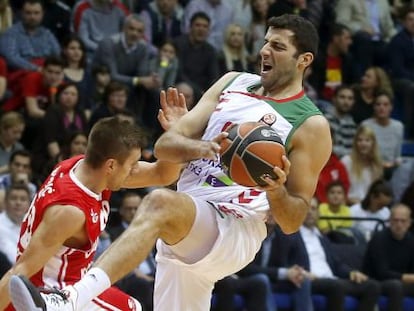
x: 64, y: 64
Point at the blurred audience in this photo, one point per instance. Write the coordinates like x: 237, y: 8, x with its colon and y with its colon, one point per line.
x: 16, y: 205
x: 363, y: 164
x: 374, y: 205
x: 389, y: 258
x: 12, y: 125
x: 389, y: 133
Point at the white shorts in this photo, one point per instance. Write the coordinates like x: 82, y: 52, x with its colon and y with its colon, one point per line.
x: 226, y: 239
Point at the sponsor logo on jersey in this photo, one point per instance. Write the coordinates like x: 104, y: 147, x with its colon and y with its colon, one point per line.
x: 269, y: 119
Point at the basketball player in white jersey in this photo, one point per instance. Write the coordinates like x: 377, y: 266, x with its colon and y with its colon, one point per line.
x: 213, y: 227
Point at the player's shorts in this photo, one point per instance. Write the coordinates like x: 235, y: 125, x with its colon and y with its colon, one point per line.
x: 114, y: 300
x: 181, y: 285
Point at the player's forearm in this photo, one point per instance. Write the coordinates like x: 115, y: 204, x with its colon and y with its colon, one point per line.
x: 289, y: 211
x: 177, y: 148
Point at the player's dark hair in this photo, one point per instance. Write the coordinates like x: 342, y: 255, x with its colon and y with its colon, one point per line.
x: 305, y: 37
x: 111, y: 138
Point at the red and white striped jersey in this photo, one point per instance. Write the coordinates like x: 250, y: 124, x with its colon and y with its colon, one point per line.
x: 62, y: 187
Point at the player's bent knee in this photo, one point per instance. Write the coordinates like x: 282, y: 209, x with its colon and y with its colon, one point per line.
x: 158, y: 203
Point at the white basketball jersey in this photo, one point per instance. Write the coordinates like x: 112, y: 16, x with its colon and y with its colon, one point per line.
x: 238, y: 104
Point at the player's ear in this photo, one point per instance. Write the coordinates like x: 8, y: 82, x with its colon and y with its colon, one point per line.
x: 305, y: 60
x: 110, y: 165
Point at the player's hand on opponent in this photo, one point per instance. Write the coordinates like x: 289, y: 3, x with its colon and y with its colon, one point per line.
x: 210, y: 149
x: 274, y: 184
x: 173, y: 107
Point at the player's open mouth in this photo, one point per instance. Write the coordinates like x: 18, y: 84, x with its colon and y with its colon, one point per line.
x: 266, y: 68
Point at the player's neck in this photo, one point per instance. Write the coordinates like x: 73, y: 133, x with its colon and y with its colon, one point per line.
x: 284, y: 91
x: 91, y: 178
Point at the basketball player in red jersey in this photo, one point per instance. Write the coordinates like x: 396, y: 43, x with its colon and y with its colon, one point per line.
x: 212, y: 227
x: 60, y: 232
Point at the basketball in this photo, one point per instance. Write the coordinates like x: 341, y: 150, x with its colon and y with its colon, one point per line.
x: 250, y: 151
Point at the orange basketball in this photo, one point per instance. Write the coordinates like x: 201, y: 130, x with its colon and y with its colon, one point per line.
x: 250, y: 151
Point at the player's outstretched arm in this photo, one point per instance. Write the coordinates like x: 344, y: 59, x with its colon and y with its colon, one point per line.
x: 60, y: 224
x: 182, y: 142
x: 290, y: 196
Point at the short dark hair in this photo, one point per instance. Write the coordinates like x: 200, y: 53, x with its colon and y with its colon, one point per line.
x: 113, y: 87
x: 54, y: 60
x: 404, y: 11
x: 335, y: 183
x: 305, y: 35
x: 23, y: 153
x: 111, y: 138
x: 343, y: 87
x: 33, y: 2
x: 200, y: 14
x: 18, y: 186
x: 337, y: 30
x: 378, y: 187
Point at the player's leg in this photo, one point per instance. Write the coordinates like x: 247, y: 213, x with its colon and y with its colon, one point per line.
x: 177, y: 287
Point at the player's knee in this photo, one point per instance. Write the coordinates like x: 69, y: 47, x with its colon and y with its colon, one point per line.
x: 156, y: 204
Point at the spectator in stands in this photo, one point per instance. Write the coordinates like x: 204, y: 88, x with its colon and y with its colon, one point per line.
x: 165, y: 65
x: 16, y: 205
x: 115, y: 100
x: 374, y: 205
x: 197, y: 58
x: 95, y: 20
x: 282, y: 259
x: 162, y: 19
x: 220, y: 16
x: 401, y: 63
x: 20, y: 173
x: 330, y: 276
x: 389, y: 258
x: 74, y: 145
x: 11, y: 129
x: 127, y: 56
x: 57, y: 18
x: 3, y: 80
x: 374, y: 81
x: 320, y: 13
x: 26, y: 44
x: 101, y: 77
x: 334, y: 170
x: 389, y: 133
x: 371, y: 26
x: 257, y: 29
x: 61, y: 120
x: 333, y: 65
x: 341, y: 121
x: 233, y: 56
x: 76, y: 68
x: 335, y: 207
x: 363, y: 164
x: 6, y: 15
x: 37, y: 89
x: 139, y: 283
x: 34, y: 94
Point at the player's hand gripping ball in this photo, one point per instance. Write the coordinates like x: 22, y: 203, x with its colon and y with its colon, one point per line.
x: 250, y: 151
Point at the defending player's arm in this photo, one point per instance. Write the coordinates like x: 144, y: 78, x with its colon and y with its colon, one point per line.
x: 60, y: 225
x: 182, y: 142
x: 311, y: 148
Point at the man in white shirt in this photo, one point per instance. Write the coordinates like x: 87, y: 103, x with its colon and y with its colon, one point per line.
x: 330, y: 276
x: 16, y: 205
